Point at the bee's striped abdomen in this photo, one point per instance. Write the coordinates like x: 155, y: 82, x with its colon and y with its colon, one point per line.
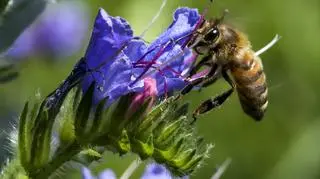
x: 250, y: 84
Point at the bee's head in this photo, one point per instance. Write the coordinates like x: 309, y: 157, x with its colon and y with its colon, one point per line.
x: 209, y: 35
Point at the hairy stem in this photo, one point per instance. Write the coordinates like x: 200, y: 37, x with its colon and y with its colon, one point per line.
x: 12, y: 169
x: 62, y: 156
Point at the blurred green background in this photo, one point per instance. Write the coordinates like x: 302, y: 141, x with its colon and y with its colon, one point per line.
x: 286, y: 144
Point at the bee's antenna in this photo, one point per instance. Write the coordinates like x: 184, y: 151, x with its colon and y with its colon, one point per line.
x: 224, y: 14
x: 207, y: 7
x: 269, y: 45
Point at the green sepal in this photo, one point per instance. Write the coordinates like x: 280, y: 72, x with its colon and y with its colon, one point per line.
x: 167, y: 132
x: 121, y: 144
x: 66, y: 120
x: 26, y: 132
x: 192, y: 164
x: 182, y: 158
x: 82, y: 115
x: 87, y: 156
x: 182, y: 111
x: 155, y: 115
x: 164, y: 156
x: 118, y: 115
x: 98, y: 117
x: 24, y: 138
x: 136, y: 120
x: 153, y: 120
x: 143, y: 149
x: 41, y: 140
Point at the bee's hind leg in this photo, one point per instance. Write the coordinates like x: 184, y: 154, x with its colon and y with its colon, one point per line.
x: 212, y: 103
x: 216, y: 101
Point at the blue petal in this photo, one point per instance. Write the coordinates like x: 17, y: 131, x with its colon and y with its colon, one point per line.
x: 108, y: 37
x: 113, y: 81
x: 114, y: 62
x: 156, y: 171
x: 184, y: 22
x: 86, y: 173
x: 107, y: 174
x: 175, y: 57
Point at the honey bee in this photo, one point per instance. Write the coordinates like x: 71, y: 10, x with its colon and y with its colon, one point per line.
x: 228, y: 54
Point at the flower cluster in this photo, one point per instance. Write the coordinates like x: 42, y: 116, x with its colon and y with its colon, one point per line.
x: 107, y: 103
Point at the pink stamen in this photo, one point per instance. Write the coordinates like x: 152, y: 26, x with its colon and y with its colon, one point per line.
x: 192, y: 58
x: 199, y: 74
x: 150, y: 90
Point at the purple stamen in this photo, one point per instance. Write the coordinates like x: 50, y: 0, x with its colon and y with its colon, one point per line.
x: 150, y: 64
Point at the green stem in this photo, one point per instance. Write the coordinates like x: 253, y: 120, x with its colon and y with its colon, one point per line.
x: 62, y: 156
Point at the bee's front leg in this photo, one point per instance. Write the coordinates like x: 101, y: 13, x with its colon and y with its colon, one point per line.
x: 205, y: 61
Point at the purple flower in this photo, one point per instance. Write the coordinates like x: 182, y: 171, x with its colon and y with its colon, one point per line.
x: 58, y: 32
x: 156, y: 171
x: 106, y: 174
x: 119, y: 62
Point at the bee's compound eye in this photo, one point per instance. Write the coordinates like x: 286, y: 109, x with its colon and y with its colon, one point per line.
x: 212, y: 35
